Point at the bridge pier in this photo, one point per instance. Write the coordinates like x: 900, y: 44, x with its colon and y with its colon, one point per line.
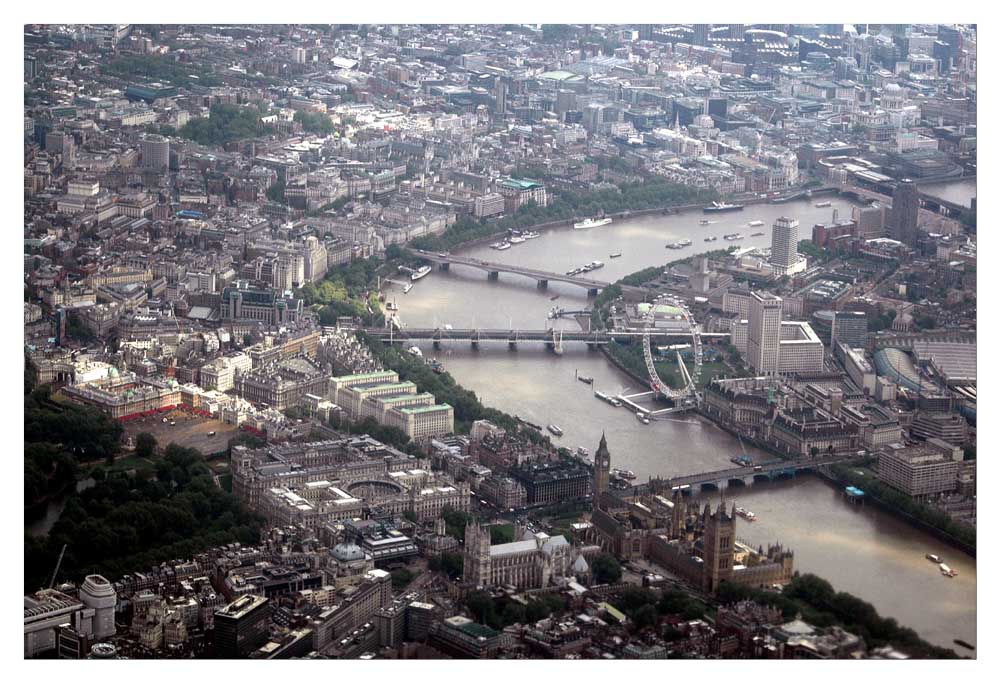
x: 444, y: 266
x: 493, y: 275
x: 543, y: 284
x: 512, y: 345
x: 591, y: 293
x: 437, y: 344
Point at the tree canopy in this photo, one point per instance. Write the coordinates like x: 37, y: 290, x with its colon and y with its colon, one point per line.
x: 605, y: 569
x: 227, y: 123
x: 130, y: 522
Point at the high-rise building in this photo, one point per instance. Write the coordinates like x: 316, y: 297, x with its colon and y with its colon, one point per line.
x: 500, y: 93
x: 764, y: 334
x: 702, y: 33
x: 784, y: 243
x: 99, y: 595
x: 849, y: 327
x: 905, y: 211
x: 155, y: 151
x: 242, y: 626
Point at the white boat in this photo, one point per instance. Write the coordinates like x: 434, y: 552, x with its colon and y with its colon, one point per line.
x: 933, y: 558
x: 517, y: 240
x: 555, y: 430
x: 407, y: 287
x: 754, y: 224
x: 531, y: 235
x: 591, y: 223
x: 823, y: 205
x: 746, y: 514
x: 423, y: 271
x: 503, y: 246
x: 495, y: 245
x: 704, y: 221
x: 415, y: 351
x: 947, y: 571
x: 642, y: 417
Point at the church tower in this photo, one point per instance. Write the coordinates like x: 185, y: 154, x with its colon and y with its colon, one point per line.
x: 602, y: 471
x: 719, y: 540
x: 476, y: 569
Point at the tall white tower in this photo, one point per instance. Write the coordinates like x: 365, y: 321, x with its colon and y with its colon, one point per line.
x: 784, y: 244
x: 764, y: 334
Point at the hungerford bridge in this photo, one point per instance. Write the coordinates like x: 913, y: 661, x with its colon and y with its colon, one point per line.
x: 683, y: 326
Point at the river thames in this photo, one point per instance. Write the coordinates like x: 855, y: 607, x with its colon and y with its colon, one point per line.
x: 861, y: 550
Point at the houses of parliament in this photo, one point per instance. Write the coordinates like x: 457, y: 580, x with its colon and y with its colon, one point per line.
x: 697, y: 545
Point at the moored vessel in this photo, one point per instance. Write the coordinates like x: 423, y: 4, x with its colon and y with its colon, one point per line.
x: 716, y: 207
x: 591, y: 223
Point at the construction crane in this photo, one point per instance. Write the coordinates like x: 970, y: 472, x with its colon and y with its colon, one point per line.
x: 58, y: 563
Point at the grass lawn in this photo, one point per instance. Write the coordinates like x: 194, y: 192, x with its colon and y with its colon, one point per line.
x: 670, y: 373
x: 129, y: 462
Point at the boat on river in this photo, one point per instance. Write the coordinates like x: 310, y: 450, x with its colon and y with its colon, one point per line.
x: 746, y: 514
x: 642, y: 417
x: 555, y: 430
x: 933, y: 558
x: 422, y: 272
x: 947, y: 571
x: 591, y: 223
x: 717, y: 207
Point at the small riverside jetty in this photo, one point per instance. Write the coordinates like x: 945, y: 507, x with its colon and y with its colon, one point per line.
x: 854, y: 494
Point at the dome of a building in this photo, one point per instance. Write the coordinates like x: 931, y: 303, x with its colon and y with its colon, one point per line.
x: 347, y: 552
x: 893, y: 89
